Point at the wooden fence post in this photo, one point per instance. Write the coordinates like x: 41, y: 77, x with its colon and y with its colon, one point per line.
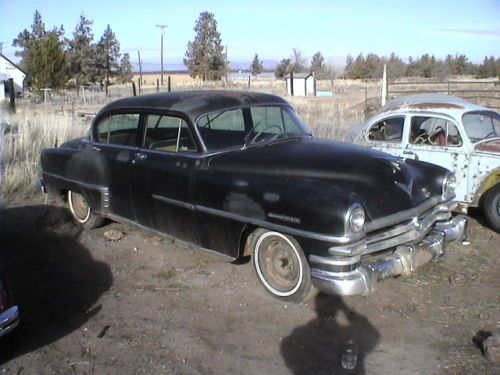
x: 134, y: 92
x: 12, y: 96
x: 139, y: 85
x: 168, y: 84
x: 291, y: 83
x: 157, y: 85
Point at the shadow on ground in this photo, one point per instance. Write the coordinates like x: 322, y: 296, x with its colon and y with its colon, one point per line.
x: 316, y: 347
x: 54, y: 279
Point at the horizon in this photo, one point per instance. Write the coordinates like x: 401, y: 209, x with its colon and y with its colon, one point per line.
x: 436, y: 28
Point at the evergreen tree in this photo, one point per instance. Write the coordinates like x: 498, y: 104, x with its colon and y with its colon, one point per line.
x: 82, y: 53
x: 125, y: 71
x: 204, y: 57
x: 34, y: 44
x: 318, y: 66
x: 108, y: 55
x: 256, y: 67
x: 46, y: 63
x: 283, y: 68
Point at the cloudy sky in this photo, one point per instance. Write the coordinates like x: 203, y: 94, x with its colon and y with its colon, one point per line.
x: 272, y: 28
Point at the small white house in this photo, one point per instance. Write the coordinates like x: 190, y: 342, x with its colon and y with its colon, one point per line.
x: 304, y: 84
x: 10, y: 70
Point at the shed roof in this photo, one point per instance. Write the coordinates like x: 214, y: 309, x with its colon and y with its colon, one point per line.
x: 10, y: 62
x: 195, y: 103
x: 300, y: 75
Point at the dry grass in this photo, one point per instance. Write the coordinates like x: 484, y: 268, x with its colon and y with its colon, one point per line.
x: 34, y: 128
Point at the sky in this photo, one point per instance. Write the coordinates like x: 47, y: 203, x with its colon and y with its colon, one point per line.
x: 273, y: 28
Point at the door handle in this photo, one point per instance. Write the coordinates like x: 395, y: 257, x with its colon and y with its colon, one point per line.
x: 406, y: 152
x: 140, y: 156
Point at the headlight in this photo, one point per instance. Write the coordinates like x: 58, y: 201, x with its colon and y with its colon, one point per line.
x: 449, y: 185
x: 355, y: 219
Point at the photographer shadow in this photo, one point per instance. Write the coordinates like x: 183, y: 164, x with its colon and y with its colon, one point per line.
x: 316, y: 348
x: 53, y: 278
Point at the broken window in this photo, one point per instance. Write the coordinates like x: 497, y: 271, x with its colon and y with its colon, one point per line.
x: 434, y: 131
x: 388, y: 130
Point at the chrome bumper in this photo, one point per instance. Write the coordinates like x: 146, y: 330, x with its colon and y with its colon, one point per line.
x: 9, y: 320
x: 405, y: 259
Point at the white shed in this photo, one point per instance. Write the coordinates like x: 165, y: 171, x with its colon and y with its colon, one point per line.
x: 11, y: 70
x: 304, y: 84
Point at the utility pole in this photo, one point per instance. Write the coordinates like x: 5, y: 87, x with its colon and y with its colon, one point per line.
x: 227, y: 65
x: 1, y: 47
x: 162, y: 28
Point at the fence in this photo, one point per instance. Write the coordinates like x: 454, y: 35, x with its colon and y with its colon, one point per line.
x: 486, y: 93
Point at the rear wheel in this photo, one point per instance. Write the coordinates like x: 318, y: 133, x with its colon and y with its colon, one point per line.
x: 81, y: 211
x: 281, y: 266
x: 491, y: 207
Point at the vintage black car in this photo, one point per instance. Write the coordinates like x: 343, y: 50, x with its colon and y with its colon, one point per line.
x: 239, y: 173
x: 9, y: 313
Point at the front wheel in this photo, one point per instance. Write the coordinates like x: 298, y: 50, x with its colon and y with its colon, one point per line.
x: 491, y: 207
x: 81, y: 211
x: 281, y: 266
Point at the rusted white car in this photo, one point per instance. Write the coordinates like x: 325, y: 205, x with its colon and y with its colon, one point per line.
x: 447, y: 131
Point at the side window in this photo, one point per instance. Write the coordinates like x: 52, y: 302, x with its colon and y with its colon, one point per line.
x: 268, y: 119
x: 222, y: 130
x: 118, y: 129
x: 167, y: 133
x: 434, y: 131
x: 387, y: 130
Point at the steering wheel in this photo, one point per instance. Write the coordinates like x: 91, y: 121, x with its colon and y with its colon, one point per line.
x: 258, y: 134
x: 492, y: 133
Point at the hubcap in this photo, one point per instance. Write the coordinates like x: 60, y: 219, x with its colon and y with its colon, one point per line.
x: 279, y: 265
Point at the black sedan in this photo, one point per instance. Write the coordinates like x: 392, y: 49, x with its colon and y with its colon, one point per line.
x: 239, y: 173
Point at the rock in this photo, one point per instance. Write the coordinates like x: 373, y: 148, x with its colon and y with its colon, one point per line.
x: 113, y: 235
x: 491, y: 347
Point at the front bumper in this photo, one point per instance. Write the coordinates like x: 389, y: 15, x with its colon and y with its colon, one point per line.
x: 9, y: 320
x: 404, y: 259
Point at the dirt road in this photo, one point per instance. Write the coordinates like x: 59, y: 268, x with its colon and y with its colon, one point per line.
x: 146, y: 305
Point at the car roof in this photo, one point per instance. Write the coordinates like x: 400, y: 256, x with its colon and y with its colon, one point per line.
x: 431, y: 103
x: 195, y: 103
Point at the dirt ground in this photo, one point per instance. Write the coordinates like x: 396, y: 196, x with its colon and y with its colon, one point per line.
x: 147, y: 305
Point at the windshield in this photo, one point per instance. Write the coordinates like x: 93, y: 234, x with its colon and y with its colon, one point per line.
x: 243, y: 127
x: 481, y: 125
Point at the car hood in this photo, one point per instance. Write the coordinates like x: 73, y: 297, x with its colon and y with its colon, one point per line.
x: 382, y: 183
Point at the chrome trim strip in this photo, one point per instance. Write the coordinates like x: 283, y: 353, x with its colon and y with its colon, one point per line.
x: 174, y: 202
x: 9, y: 320
x: 278, y: 227
x: 406, y: 259
x: 399, y: 217
x: 339, y: 261
x: 86, y: 185
x: 413, y: 231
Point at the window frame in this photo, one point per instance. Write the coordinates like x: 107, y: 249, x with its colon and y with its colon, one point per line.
x: 400, y: 142
x: 164, y: 114
x: 448, y: 119
x: 103, y: 117
x: 143, y: 113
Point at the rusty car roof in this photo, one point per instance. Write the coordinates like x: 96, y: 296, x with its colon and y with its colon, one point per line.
x: 195, y: 103
x: 430, y: 102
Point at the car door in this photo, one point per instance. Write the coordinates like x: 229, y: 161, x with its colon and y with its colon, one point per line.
x: 163, y: 169
x: 386, y: 134
x: 116, y: 140
x: 436, y: 139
